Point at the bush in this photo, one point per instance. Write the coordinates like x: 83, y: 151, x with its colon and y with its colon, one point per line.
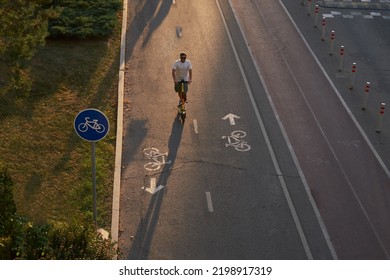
x: 85, y: 18
x: 77, y: 240
x: 7, y: 204
x: 22, y: 239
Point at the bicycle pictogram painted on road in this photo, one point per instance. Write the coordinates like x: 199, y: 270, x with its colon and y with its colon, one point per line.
x: 157, y: 158
x: 235, y: 140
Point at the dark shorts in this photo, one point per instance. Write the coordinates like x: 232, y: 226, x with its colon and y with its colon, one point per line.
x: 177, y: 87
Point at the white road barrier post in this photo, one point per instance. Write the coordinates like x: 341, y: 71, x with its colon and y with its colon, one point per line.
x: 365, y: 96
x: 332, y: 35
x: 380, y: 118
x: 316, y: 10
x: 353, y: 73
x: 341, y: 58
x: 323, y: 28
x: 308, y: 7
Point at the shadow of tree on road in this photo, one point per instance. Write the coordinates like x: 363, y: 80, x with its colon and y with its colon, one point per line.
x: 146, y: 19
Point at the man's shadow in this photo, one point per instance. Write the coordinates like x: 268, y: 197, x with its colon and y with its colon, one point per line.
x: 140, y: 247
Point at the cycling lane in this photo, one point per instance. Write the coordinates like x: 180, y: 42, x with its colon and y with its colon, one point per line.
x: 346, y: 180
x: 211, y: 200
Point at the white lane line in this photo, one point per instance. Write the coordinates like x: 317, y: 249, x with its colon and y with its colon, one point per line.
x: 152, y: 183
x: 209, y: 202
x: 268, y: 142
x: 196, y: 126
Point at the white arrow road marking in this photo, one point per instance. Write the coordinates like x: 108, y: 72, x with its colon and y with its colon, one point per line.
x: 152, y: 189
x: 231, y: 118
x: 209, y: 202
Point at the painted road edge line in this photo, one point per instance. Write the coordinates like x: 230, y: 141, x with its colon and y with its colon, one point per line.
x: 119, y: 133
x: 209, y: 202
x: 268, y: 142
x: 196, y: 126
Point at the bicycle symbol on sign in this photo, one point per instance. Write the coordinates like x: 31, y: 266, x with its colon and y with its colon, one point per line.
x: 234, y: 140
x: 83, y: 127
x: 158, y: 159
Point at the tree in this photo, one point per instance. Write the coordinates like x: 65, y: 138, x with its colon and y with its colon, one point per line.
x: 23, y: 28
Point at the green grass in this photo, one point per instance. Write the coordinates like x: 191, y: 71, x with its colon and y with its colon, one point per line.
x: 49, y: 164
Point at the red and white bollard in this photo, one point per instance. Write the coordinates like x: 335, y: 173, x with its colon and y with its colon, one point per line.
x: 316, y: 10
x: 380, y: 118
x: 365, y: 96
x: 309, y: 7
x: 341, y: 58
x: 323, y: 28
x: 353, y: 73
x: 332, y: 35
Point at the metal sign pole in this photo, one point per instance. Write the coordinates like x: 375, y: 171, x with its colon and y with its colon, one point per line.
x: 92, y: 125
x: 93, y: 159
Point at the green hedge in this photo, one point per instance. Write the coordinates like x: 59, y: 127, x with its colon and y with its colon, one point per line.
x: 84, y: 18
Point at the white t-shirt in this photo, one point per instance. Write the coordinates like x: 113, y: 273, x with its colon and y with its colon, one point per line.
x: 182, y: 70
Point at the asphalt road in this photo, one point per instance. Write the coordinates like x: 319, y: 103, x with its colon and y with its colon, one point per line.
x: 310, y: 180
x: 200, y: 197
x: 347, y: 179
x: 364, y: 34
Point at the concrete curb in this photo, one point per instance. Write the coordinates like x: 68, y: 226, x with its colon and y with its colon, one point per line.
x: 119, y: 132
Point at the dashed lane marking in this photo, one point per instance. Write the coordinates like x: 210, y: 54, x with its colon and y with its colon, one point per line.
x: 196, y: 126
x: 209, y: 202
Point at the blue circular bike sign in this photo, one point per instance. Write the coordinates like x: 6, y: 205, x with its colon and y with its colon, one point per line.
x: 91, y: 125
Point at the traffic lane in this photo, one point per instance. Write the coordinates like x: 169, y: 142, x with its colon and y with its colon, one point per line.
x: 162, y: 48
x: 309, y: 219
x: 146, y: 215
x: 247, y: 222
x: 365, y: 42
x: 245, y: 187
x: 371, y: 187
x: 288, y: 171
x: 366, y: 178
x: 143, y: 86
x: 301, y: 131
